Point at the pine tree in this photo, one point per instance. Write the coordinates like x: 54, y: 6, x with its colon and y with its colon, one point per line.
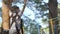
x: 5, y: 15
x: 53, y: 14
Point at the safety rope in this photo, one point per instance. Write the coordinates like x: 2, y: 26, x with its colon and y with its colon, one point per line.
x: 53, y: 19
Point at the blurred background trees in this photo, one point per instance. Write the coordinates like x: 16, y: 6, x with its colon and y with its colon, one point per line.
x: 40, y: 10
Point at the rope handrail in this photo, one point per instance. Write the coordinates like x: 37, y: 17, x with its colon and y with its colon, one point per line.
x: 53, y: 19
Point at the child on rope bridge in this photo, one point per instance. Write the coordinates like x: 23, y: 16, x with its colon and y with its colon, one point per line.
x: 16, y: 18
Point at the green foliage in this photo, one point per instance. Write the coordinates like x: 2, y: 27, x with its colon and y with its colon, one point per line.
x: 33, y: 28
x: 37, y: 1
x: 44, y: 20
x: 0, y: 10
x: 59, y: 14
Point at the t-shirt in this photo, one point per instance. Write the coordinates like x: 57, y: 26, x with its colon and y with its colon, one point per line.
x: 15, y: 17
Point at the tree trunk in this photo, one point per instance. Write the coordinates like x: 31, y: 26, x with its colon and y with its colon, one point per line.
x: 5, y: 16
x: 53, y: 14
